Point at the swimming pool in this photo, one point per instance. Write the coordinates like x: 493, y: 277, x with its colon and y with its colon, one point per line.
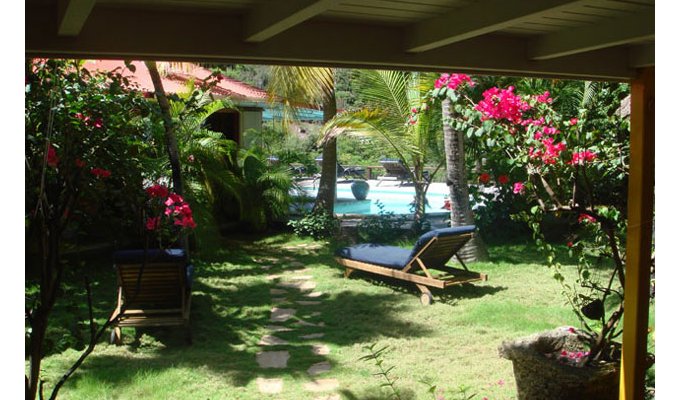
x: 395, y: 199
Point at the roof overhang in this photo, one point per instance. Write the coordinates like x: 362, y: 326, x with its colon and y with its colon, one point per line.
x: 585, y: 39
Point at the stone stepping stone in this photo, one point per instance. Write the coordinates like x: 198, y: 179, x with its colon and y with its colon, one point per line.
x: 319, y: 368
x: 266, y: 267
x: 279, y: 299
x: 302, y: 270
x: 269, y: 386
x: 302, y: 286
x: 305, y: 323
x: 276, y: 328
x: 308, y: 303
x: 278, y: 291
x: 281, y: 314
x: 314, y: 294
x: 289, y: 258
x: 271, y: 340
x: 321, y: 385
x: 296, y: 264
x: 312, y: 336
x: 274, y: 277
x: 301, y: 277
x: 328, y: 397
x: 272, y: 359
x: 321, y: 349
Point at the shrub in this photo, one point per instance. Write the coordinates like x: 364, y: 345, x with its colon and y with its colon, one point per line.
x: 382, y: 227
x: 318, y: 225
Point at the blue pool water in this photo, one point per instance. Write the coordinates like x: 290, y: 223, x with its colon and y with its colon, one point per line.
x: 395, y: 199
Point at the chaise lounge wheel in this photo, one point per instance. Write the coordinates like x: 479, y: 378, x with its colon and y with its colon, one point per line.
x: 426, y: 299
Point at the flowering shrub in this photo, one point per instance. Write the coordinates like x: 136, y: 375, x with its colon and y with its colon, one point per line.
x: 169, y: 216
x: 566, y: 166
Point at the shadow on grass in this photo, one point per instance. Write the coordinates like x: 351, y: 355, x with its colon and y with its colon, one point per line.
x: 230, y: 308
x: 450, y: 295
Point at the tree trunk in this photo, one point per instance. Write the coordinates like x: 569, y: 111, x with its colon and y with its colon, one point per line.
x: 170, y: 139
x: 456, y: 179
x: 420, y: 201
x: 325, y: 197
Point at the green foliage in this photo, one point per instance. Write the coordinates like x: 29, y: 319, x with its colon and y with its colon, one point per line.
x: 383, y: 227
x: 376, y: 356
x: 319, y: 225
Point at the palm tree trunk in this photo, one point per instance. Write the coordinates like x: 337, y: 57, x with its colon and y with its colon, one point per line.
x: 325, y: 197
x: 456, y: 179
x: 170, y: 139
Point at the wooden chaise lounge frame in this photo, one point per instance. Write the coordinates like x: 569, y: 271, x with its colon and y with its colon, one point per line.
x: 394, y: 169
x: 159, y: 296
x: 417, y: 270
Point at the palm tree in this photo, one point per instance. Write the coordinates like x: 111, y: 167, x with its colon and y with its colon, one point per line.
x: 395, y: 113
x: 295, y: 86
x: 456, y: 179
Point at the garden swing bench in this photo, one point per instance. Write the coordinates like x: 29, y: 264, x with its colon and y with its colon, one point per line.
x: 431, y: 253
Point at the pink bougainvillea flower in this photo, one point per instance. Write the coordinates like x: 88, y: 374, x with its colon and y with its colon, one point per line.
x: 518, y: 188
x: 544, y: 98
x: 570, y: 244
x: 152, y: 223
x: 447, y: 204
x: 98, y: 123
x: 503, y: 179
x: 573, y: 121
x: 453, y: 81
x: 414, y: 110
x: 52, y: 158
x: 563, y: 353
x: 586, y: 217
x: 173, y: 198
x: 571, y: 329
x: 484, y: 178
x: 582, y: 157
x: 502, y: 104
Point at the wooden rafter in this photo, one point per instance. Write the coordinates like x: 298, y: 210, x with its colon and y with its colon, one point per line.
x: 476, y: 20
x: 272, y: 18
x: 639, y: 27
x: 72, y: 16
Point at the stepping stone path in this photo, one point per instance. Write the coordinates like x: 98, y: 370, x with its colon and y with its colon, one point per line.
x: 291, y: 286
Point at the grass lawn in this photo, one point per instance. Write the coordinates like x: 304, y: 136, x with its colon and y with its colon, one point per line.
x: 451, y: 343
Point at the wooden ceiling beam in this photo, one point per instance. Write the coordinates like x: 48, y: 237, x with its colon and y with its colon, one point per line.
x: 273, y: 17
x: 634, y: 28
x: 478, y: 19
x: 642, y: 56
x: 71, y: 16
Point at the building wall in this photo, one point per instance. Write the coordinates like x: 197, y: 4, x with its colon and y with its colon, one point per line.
x: 250, y: 119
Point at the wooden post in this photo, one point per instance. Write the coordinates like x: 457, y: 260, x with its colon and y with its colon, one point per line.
x: 639, y: 237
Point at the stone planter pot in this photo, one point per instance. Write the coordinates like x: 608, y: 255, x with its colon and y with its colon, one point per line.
x: 541, y: 377
x: 360, y: 189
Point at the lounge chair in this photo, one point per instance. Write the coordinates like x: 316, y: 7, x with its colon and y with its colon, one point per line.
x: 344, y: 172
x: 431, y: 252
x: 394, y: 169
x: 152, y: 293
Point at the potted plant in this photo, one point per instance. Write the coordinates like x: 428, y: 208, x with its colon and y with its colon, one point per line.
x: 360, y: 189
x: 573, y: 168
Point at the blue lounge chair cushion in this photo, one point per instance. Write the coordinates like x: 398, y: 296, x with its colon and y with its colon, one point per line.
x: 373, y: 253
x: 444, y: 232
x: 153, y: 255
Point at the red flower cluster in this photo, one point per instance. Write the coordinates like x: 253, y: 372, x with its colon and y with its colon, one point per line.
x: 453, y: 81
x: 503, y: 179
x: 502, y: 104
x: 52, y: 158
x: 79, y: 163
x: 544, y: 98
x: 178, y: 209
x: 581, y: 157
x: 518, y: 188
x: 484, y: 178
x: 157, y: 191
x: 100, y: 172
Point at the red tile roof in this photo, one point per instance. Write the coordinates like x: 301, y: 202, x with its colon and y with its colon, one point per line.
x: 174, y: 79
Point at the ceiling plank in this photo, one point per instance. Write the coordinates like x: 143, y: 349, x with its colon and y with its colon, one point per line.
x: 271, y: 18
x: 164, y: 35
x: 642, y: 56
x: 72, y: 15
x: 634, y: 27
x: 476, y: 20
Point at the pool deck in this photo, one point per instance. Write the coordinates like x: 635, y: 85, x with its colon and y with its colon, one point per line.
x: 435, y: 187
